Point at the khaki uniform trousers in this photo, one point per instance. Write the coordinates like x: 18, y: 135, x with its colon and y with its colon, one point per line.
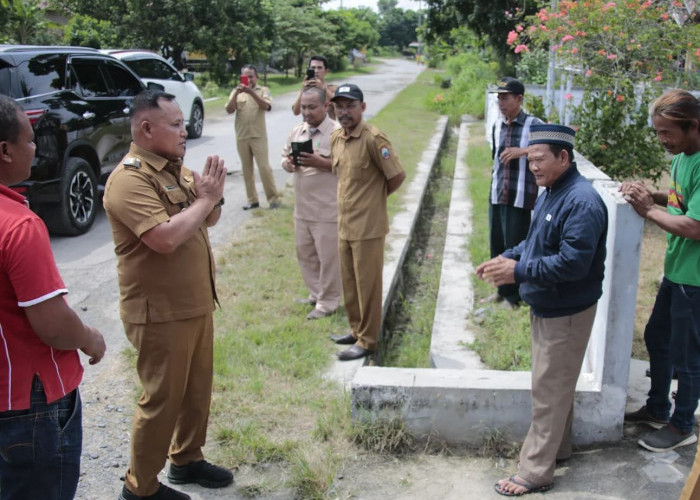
x: 175, y: 362
x: 361, y: 266
x: 558, y: 348
x: 256, y: 148
x: 317, y: 253
x: 691, y: 490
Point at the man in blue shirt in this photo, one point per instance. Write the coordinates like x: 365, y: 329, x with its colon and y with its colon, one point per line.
x: 559, y: 268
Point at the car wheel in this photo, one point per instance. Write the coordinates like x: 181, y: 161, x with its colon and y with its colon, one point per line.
x: 76, y: 211
x: 196, y: 121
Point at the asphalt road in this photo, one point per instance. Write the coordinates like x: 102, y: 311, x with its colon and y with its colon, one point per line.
x: 88, y: 264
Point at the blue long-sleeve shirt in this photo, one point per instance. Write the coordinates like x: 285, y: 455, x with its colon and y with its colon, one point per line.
x: 561, y: 262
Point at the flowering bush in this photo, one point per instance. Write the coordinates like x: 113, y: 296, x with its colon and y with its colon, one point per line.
x: 625, y: 52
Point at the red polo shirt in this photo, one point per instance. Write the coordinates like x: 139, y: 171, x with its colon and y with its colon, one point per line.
x: 28, y: 276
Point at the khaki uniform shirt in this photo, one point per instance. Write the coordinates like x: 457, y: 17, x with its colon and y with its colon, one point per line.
x: 316, y: 191
x: 250, y: 118
x: 363, y: 162
x: 143, y: 191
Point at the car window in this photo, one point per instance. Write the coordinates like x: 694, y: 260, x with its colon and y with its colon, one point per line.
x: 90, y: 81
x: 41, y: 75
x: 153, y: 68
x: 125, y: 84
x: 5, y: 79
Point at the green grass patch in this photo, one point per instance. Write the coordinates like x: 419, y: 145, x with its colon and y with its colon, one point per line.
x: 384, y: 436
x: 502, y: 334
x: 271, y: 402
x: 410, y: 326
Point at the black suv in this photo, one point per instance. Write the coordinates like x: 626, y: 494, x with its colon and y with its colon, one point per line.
x: 77, y: 100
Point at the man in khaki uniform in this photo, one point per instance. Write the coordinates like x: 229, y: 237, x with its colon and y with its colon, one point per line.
x: 319, y: 65
x: 159, y: 212
x: 368, y: 171
x: 250, y: 103
x: 316, y: 206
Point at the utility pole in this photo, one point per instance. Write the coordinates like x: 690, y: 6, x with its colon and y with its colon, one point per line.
x: 549, y: 90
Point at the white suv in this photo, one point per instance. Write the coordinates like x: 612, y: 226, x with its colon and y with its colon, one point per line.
x: 151, y: 67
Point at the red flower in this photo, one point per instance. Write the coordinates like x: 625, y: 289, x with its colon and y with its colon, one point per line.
x: 512, y: 37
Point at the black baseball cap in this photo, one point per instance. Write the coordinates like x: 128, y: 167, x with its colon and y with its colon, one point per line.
x: 349, y: 91
x: 508, y: 85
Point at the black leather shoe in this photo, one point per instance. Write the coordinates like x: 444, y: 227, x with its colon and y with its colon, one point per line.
x: 203, y: 473
x: 163, y: 493
x: 346, y: 339
x: 250, y: 206
x: 354, y: 352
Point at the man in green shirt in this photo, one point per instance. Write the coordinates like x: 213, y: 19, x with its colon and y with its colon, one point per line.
x: 672, y: 335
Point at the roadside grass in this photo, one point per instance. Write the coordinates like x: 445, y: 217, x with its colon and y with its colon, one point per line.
x: 409, y: 327
x: 271, y: 402
x: 409, y: 124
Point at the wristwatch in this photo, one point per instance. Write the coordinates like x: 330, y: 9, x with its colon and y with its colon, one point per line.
x: 218, y: 205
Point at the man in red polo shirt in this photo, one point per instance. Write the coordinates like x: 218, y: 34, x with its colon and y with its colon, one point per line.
x: 40, y: 409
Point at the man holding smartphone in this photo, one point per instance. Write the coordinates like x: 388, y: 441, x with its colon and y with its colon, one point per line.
x: 316, y: 77
x: 316, y: 205
x: 250, y: 102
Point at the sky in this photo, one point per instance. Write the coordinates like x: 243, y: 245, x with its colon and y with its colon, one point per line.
x: 403, y: 4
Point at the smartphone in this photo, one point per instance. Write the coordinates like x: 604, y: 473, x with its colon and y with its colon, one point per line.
x: 245, y: 80
x: 310, y: 74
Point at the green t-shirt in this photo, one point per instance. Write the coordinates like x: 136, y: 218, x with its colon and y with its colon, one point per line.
x: 682, y: 264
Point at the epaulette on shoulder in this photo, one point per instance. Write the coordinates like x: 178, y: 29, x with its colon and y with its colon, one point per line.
x: 374, y: 130
x: 132, y: 162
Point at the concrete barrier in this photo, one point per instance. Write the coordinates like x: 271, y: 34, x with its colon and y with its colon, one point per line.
x: 459, y: 400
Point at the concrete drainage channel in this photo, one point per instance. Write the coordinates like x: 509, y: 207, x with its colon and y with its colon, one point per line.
x: 458, y: 401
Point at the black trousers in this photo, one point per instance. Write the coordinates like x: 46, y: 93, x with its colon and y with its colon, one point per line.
x: 508, y: 227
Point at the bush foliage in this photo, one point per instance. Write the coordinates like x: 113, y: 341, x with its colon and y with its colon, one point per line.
x: 469, y: 75
x: 623, y: 55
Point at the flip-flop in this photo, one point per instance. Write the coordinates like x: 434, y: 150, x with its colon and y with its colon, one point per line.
x: 529, y: 488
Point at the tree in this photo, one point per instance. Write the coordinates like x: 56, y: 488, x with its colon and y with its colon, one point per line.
x: 385, y: 6
x: 225, y: 30
x: 356, y: 28
x: 300, y: 33
x: 22, y: 20
x: 240, y: 30
x: 86, y: 31
x: 490, y: 19
x: 397, y: 27
x: 625, y: 52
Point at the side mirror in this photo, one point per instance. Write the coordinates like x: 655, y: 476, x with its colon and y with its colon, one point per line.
x: 155, y: 86
x: 188, y: 77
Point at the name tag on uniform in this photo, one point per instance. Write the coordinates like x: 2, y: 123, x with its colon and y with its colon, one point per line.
x: 548, y: 218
